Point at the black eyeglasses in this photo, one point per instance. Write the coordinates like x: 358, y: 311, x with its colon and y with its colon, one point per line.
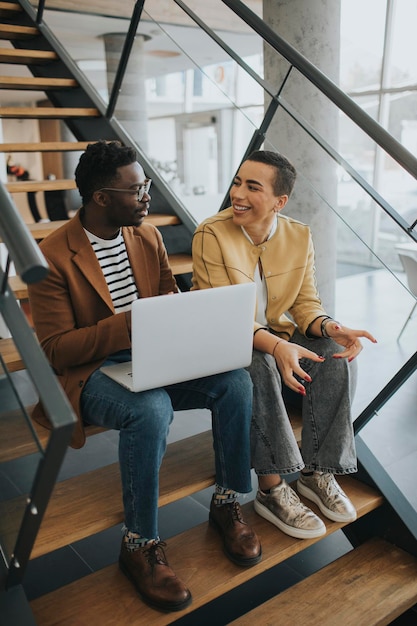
x: 139, y: 193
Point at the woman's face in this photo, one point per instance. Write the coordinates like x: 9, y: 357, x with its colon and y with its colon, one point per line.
x: 253, y: 198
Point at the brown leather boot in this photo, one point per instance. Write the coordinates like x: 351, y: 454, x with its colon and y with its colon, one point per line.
x: 240, y: 542
x: 156, y: 583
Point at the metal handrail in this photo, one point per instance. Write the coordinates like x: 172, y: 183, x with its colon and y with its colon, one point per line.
x: 29, y: 261
x: 374, y: 130
x: 32, y: 267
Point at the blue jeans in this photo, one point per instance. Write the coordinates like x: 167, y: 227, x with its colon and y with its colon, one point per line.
x: 327, y: 437
x: 143, y: 420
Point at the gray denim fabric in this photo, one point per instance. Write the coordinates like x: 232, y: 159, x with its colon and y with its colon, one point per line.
x: 327, y: 439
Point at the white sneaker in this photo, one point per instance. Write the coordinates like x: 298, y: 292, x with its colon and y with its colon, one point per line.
x: 283, y: 508
x: 332, y: 501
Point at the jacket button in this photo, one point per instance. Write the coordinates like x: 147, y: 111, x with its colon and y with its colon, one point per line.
x: 81, y: 383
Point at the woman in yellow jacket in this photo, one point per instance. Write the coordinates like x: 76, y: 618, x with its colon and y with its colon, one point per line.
x: 297, y: 346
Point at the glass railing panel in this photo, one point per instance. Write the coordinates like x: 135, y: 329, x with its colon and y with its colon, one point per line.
x: 403, y: 49
x: 362, y: 43
x: 202, y: 110
x: 20, y: 455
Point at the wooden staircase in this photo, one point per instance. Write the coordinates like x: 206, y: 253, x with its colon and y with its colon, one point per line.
x: 68, y: 102
x: 372, y: 584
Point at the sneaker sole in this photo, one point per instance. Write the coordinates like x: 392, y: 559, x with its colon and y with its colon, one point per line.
x: 311, y: 495
x: 160, y: 606
x: 297, y: 533
x: 232, y: 557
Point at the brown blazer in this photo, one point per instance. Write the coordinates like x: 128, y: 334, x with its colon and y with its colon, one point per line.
x: 72, y: 309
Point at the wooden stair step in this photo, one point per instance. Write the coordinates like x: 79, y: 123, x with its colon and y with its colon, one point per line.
x: 26, y: 57
x: 9, y: 7
x: 17, y: 434
x: 47, y: 112
x: 187, y: 467
x: 40, y: 230
x: 373, y: 585
x: 12, y: 31
x: 33, y: 83
x: 106, y: 597
x: 10, y: 355
x: 180, y: 264
x: 24, y: 186
x: 45, y: 146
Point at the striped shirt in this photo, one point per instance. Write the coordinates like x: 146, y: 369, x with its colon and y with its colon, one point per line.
x: 115, y: 265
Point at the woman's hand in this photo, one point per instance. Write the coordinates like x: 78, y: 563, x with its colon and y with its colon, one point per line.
x: 287, y: 356
x: 348, y: 338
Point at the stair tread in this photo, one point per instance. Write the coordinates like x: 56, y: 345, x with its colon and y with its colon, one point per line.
x: 188, y: 467
x: 180, y: 264
x: 44, y: 146
x: 9, y: 7
x: 378, y: 580
x: 47, y: 112
x: 23, y: 186
x: 197, y: 558
x: 40, y: 230
x: 17, y: 436
x: 34, y: 83
x: 26, y: 57
x: 13, y: 31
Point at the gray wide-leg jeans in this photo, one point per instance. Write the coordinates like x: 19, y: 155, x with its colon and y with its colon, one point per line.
x: 327, y: 436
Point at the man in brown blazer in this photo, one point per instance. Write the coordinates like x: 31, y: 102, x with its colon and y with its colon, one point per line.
x: 100, y: 261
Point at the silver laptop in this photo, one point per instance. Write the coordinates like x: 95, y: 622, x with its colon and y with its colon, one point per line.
x: 188, y: 335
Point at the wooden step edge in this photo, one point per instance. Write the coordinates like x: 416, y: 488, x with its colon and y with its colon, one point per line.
x: 13, y: 31
x: 47, y: 112
x: 373, y: 584
x: 10, y: 7
x: 11, y: 356
x: 40, y: 230
x: 45, y: 146
x: 187, y: 467
x: 32, y: 83
x: 197, y: 558
x: 24, y: 186
x: 16, y: 435
x: 26, y: 56
x: 181, y: 263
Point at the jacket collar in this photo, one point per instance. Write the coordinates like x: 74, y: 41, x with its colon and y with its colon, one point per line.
x: 86, y: 260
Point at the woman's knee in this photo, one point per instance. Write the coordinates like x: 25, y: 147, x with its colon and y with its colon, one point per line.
x: 262, y: 368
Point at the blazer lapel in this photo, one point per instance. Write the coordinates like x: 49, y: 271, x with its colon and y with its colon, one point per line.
x: 86, y: 261
x: 138, y: 262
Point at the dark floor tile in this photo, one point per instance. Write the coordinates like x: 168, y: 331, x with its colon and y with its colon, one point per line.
x: 242, y: 599
x: 21, y: 471
x: 320, y: 554
x: 100, y: 550
x: 179, y: 516
x: 99, y: 450
x: 8, y: 489
x: 52, y: 571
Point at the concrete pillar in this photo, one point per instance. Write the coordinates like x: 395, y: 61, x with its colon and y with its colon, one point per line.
x: 313, y: 28
x: 131, y: 107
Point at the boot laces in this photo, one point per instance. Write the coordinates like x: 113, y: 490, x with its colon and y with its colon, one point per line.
x: 155, y: 554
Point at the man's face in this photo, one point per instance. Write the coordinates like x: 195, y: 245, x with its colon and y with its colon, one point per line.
x: 123, y: 207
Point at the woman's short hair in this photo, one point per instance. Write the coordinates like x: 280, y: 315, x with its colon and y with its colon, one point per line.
x: 285, y: 173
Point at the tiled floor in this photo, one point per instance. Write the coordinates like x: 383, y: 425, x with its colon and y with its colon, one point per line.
x: 372, y: 300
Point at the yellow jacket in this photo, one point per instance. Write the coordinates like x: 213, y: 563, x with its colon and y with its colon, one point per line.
x: 222, y: 255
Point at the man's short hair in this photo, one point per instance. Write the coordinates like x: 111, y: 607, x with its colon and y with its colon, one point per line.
x: 98, y: 165
x: 285, y: 173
